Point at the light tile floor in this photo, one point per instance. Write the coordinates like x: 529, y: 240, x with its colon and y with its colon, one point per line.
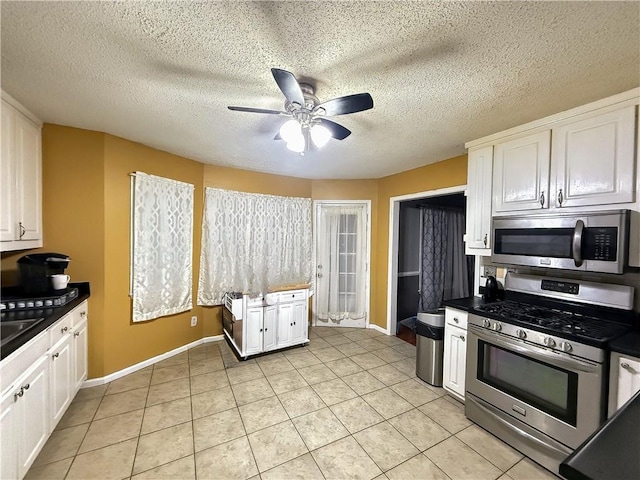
x: 346, y: 406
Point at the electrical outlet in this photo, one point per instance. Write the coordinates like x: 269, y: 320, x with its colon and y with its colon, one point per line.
x: 194, y: 321
x: 489, y: 270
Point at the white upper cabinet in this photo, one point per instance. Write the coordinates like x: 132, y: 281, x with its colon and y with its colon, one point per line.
x: 521, y: 173
x: 593, y: 160
x: 478, y: 234
x: 21, y: 179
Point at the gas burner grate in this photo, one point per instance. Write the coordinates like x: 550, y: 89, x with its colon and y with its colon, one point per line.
x: 552, y: 320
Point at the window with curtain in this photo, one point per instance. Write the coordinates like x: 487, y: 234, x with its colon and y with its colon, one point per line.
x: 161, y: 246
x: 252, y: 243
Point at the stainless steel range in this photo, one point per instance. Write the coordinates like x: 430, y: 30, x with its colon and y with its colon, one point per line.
x: 537, y: 362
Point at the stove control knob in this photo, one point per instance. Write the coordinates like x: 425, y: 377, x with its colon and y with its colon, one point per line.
x: 549, y: 342
x: 497, y: 326
x: 521, y: 334
x: 565, y: 346
x: 486, y: 323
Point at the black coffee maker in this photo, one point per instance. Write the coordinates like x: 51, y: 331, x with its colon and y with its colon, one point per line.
x: 35, y: 269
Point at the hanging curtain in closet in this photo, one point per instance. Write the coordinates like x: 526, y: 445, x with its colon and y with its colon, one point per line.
x: 444, y: 264
x: 252, y: 243
x: 341, y: 257
x: 162, y: 246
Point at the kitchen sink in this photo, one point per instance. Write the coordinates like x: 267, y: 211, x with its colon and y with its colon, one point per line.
x: 10, y: 329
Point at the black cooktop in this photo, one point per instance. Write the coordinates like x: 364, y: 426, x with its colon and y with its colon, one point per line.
x: 553, y: 320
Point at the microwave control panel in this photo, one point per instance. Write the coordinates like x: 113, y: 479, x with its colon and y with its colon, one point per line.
x: 600, y: 244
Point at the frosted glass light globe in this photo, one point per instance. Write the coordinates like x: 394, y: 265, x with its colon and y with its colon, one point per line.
x: 296, y: 144
x: 291, y: 131
x: 320, y: 135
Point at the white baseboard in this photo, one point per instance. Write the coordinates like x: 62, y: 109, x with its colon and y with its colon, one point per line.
x: 379, y: 329
x: 94, y: 382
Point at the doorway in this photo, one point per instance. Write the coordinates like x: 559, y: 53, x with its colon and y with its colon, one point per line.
x: 342, y: 236
x: 408, y: 292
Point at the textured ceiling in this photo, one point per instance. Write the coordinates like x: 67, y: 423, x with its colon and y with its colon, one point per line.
x: 440, y: 73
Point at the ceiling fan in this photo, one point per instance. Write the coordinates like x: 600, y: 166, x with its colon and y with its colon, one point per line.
x: 308, y: 125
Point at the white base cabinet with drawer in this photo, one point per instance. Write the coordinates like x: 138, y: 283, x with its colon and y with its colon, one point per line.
x: 282, y: 321
x: 38, y: 383
x: 455, y: 352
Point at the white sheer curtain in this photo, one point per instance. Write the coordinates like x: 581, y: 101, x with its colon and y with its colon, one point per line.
x: 341, y: 257
x: 162, y: 246
x: 252, y: 243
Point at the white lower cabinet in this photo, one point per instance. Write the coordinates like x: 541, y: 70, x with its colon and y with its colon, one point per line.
x: 39, y: 382
x: 80, y: 352
x: 624, y: 380
x: 281, y: 323
x: 455, y: 352
x: 270, y: 330
x: 253, y: 338
x: 62, y: 381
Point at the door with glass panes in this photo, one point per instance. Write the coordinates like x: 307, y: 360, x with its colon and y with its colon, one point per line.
x: 342, y: 256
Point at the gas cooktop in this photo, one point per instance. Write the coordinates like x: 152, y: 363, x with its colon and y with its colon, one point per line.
x: 565, y: 323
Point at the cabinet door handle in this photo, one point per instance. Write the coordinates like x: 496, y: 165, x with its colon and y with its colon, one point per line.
x: 261, y: 330
x: 83, y: 314
x: 64, y: 329
x: 455, y: 319
x: 462, y: 337
x: 22, y: 229
x: 266, y: 329
x: 542, y: 199
x: 485, y: 240
x: 626, y: 366
x: 76, y: 334
x: 19, y: 394
x: 560, y: 197
x: 56, y: 355
x: 26, y: 387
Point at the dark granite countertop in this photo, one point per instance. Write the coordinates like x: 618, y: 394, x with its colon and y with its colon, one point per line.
x: 612, y: 451
x: 466, y: 303
x: 51, y: 316
x: 629, y: 344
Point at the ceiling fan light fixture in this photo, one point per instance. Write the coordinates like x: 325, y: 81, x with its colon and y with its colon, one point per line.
x: 297, y: 144
x: 320, y: 135
x: 291, y: 131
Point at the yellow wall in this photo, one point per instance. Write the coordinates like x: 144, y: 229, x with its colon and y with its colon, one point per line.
x: 86, y: 215
x: 448, y: 173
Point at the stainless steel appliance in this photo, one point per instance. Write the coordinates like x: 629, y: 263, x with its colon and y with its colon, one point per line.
x: 594, y: 242
x: 537, y: 362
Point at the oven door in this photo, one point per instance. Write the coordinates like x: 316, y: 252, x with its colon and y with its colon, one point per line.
x: 553, y: 392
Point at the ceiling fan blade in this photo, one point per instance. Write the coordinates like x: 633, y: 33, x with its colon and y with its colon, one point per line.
x: 348, y: 104
x: 257, y: 110
x: 289, y: 85
x: 337, y: 131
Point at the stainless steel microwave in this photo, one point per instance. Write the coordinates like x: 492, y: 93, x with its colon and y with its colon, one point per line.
x: 592, y: 242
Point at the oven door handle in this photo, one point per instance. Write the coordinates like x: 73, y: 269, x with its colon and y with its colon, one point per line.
x: 533, y: 351
x: 576, y: 243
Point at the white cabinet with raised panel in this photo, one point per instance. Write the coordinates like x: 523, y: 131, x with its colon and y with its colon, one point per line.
x: 270, y: 333
x: 20, y: 178
x: 253, y: 323
x: 479, y: 180
x: 624, y: 380
x: 593, y: 160
x: 521, y: 173
x: 37, y: 383
x: 455, y: 352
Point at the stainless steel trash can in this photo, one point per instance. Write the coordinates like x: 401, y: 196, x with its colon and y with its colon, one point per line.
x: 430, y: 346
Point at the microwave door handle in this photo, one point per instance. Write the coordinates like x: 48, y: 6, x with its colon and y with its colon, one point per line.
x: 577, y: 243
